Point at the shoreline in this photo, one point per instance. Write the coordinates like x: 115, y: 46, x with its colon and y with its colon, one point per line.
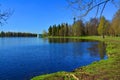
x: 101, y: 70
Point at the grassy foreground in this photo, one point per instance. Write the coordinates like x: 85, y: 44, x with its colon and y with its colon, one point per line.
x: 103, y: 70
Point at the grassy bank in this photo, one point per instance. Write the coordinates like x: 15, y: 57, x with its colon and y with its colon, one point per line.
x: 103, y: 70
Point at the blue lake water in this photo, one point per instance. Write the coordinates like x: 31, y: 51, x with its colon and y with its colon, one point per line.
x: 24, y: 58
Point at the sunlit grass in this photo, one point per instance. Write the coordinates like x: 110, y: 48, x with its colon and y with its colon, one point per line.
x: 55, y: 76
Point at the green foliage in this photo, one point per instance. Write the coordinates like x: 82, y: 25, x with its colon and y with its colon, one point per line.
x: 116, y: 24
x: 64, y: 29
x: 101, y: 26
x: 59, y: 30
x: 78, y: 28
x: 17, y: 34
x: 91, y: 27
x: 50, y: 31
x: 44, y: 34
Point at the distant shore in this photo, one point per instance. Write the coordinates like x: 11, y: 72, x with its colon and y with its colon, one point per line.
x: 17, y: 34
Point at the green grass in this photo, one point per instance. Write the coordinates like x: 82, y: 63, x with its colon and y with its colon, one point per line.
x: 55, y: 76
x: 103, y: 70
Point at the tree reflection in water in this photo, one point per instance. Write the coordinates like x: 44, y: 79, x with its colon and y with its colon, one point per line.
x: 94, y: 48
x: 100, y: 48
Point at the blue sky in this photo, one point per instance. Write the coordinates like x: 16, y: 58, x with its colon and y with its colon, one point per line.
x: 37, y: 15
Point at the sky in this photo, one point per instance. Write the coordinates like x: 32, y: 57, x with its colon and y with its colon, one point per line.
x: 37, y: 15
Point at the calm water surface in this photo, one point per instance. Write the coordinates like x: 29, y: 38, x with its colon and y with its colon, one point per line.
x: 23, y: 58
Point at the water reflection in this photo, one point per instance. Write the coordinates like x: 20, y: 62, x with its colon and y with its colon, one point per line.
x: 58, y: 40
x: 23, y: 58
x: 66, y: 40
x: 95, y: 48
x: 100, y: 48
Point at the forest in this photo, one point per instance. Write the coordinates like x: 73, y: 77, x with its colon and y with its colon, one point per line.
x: 17, y: 34
x: 93, y: 27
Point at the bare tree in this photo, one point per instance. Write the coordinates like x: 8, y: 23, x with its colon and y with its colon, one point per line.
x: 4, y: 15
x: 86, y: 6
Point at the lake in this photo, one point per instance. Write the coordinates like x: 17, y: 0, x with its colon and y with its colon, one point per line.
x: 24, y: 58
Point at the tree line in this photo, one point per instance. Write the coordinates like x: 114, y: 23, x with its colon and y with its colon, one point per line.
x: 17, y: 34
x: 92, y: 27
